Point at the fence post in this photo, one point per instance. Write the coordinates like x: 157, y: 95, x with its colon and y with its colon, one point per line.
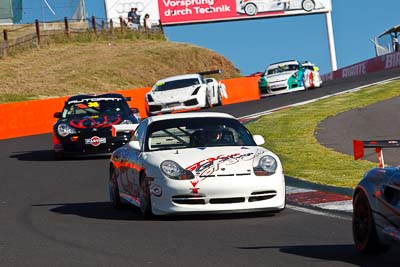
x: 121, y: 24
x: 5, y: 46
x: 67, y: 32
x: 94, y: 24
x: 111, y: 26
x: 161, y: 26
x: 103, y: 25
x: 37, y: 31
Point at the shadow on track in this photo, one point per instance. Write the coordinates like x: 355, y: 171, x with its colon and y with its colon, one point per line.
x: 104, y: 211
x: 337, y: 253
x: 48, y: 155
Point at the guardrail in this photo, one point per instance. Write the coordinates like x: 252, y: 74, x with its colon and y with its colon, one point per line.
x: 36, y: 116
x: 380, y: 63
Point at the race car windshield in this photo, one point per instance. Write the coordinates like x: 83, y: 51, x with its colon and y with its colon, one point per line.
x: 308, y: 67
x: 283, y: 68
x: 197, y: 132
x: 93, y: 107
x: 176, y: 84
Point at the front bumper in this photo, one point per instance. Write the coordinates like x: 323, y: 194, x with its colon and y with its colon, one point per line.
x: 219, y: 195
x: 154, y: 108
x: 82, y: 146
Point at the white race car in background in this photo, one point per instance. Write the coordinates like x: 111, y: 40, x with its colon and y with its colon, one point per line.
x: 197, y: 162
x: 252, y: 7
x: 183, y: 92
x: 311, y: 76
x: 284, y: 77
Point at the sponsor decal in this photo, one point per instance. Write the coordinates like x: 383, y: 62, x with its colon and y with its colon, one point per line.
x: 356, y: 70
x: 207, y: 167
x: 95, y: 99
x: 156, y: 190
x: 95, y: 141
x: 92, y: 123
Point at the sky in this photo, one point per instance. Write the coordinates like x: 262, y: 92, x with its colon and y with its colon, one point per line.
x: 253, y: 44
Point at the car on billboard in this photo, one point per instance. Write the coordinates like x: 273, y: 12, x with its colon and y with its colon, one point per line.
x: 312, y: 77
x: 282, y: 77
x: 195, y: 162
x: 376, y: 202
x: 252, y: 7
x: 84, y: 124
x: 184, y: 92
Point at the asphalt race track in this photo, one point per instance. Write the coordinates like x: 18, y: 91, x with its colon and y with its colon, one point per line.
x: 56, y: 213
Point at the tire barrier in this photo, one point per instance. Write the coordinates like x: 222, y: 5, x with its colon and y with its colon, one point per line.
x: 36, y: 116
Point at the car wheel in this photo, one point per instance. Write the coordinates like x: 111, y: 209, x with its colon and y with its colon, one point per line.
x: 308, y: 5
x: 219, y: 98
x: 364, y: 230
x: 250, y: 9
x: 144, y: 198
x: 114, y: 191
x: 208, y: 101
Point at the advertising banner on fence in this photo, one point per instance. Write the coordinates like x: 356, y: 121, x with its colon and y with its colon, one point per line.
x: 174, y: 12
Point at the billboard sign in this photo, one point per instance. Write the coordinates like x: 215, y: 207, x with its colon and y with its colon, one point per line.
x: 175, y: 12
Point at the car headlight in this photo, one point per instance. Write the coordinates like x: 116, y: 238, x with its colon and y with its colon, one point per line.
x: 196, y: 90
x: 65, y: 130
x: 172, y: 170
x: 266, y: 166
x: 149, y: 98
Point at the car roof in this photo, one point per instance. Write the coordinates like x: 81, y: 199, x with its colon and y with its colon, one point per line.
x: 180, y: 77
x: 84, y: 96
x: 276, y: 64
x: 186, y: 115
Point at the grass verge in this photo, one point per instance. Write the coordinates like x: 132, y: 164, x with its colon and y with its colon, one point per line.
x: 291, y: 135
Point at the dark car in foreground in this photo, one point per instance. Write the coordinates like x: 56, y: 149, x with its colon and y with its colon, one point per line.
x: 84, y: 125
x: 376, y: 202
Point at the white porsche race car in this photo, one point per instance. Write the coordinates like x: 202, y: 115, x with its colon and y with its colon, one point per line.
x: 184, y: 92
x: 284, y: 77
x: 195, y: 163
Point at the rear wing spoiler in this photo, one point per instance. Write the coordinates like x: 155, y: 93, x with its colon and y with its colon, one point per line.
x: 358, y: 148
x: 123, y: 128
x: 209, y: 72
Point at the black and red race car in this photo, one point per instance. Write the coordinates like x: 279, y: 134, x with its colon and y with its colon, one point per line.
x: 84, y: 125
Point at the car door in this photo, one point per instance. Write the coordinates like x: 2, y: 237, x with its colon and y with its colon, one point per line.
x: 133, y: 160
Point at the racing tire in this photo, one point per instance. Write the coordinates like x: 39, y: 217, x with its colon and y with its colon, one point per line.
x: 219, y: 103
x: 114, y: 190
x: 251, y: 9
x: 308, y: 5
x: 364, y: 230
x: 208, y: 101
x: 144, y: 198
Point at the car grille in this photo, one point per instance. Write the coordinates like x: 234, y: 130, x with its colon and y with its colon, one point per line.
x: 201, y: 199
x: 191, y: 102
x: 155, y: 108
x: 262, y: 195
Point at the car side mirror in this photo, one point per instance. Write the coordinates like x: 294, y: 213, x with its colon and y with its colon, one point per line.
x: 258, y: 139
x: 134, y: 145
x: 57, y: 115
